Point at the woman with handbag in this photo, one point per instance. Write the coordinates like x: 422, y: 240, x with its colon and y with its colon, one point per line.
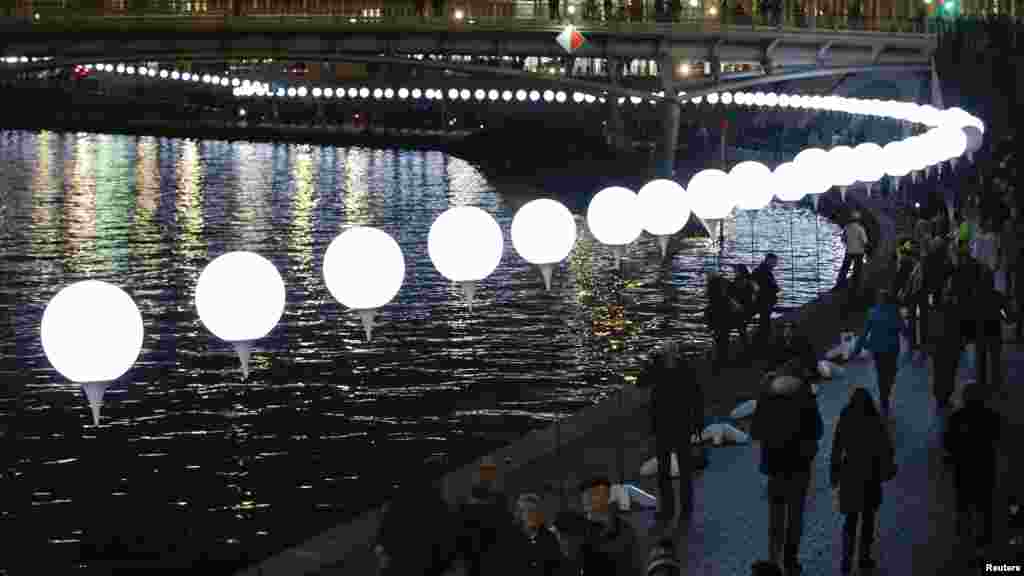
x: 862, y: 458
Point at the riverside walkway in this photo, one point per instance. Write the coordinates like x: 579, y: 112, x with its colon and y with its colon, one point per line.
x: 612, y: 438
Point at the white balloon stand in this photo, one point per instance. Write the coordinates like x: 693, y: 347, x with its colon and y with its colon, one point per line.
x: 928, y: 171
x: 952, y: 164
x: 895, y: 183
x: 618, y: 252
x: 367, y: 318
x: 867, y: 188
x: 545, y: 271
x: 469, y: 289
x: 244, y: 350
x: 913, y: 176
x: 663, y: 244
x: 970, y: 157
x: 842, y: 193
x: 94, y: 394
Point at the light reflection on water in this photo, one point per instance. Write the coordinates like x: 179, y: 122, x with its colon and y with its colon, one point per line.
x: 327, y: 421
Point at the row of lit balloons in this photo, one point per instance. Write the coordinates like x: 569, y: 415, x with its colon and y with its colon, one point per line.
x: 240, y: 296
x: 926, y: 115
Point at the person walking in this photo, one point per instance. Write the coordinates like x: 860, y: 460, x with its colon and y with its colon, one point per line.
x: 609, y: 541
x: 676, y: 389
x: 788, y: 425
x: 881, y: 337
x: 862, y: 458
x: 743, y: 291
x: 767, y: 294
x: 720, y: 317
x: 417, y: 534
x: 972, y: 439
x: 856, y: 238
x: 538, y: 552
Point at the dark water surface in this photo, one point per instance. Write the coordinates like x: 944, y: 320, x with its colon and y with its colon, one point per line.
x: 193, y: 467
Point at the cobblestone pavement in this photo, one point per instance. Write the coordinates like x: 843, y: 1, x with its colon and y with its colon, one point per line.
x: 915, y: 523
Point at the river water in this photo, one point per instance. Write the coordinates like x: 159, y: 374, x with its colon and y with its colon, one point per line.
x: 194, y: 468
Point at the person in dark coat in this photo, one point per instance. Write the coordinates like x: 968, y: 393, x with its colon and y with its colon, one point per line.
x: 767, y: 293
x: 971, y: 439
x: 677, y: 412
x: 743, y: 291
x: 788, y: 425
x: 487, y: 526
x: 720, y: 317
x: 861, y: 452
x: 609, y: 541
x: 794, y: 345
x: 537, y: 549
x: 661, y: 560
x: 417, y: 534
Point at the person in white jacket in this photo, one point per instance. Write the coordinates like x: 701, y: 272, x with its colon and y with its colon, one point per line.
x: 856, y: 238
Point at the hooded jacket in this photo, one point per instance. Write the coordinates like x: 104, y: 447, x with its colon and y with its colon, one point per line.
x: 788, y: 424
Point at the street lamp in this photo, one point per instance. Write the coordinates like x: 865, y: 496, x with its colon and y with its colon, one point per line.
x: 664, y: 210
x: 364, y: 270
x: 543, y: 233
x: 240, y: 297
x: 465, y: 244
x: 92, y: 334
x: 614, y: 219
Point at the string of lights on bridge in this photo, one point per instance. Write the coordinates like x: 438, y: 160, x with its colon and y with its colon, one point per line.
x: 245, y: 88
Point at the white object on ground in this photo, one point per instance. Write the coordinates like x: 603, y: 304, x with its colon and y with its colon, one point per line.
x: 627, y: 495
x: 720, y: 432
x: 744, y: 410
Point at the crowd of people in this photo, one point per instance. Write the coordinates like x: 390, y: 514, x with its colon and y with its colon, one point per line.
x: 956, y: 282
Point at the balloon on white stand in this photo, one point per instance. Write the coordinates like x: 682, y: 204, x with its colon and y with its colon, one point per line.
x: 465, y: 244
x: 711, y: 196
x: 543, y: 233
x: 790, y: 183
x: 364, y: 270
x: 92, y: 333
x: 842, y: 166
x: 749, y: 185
x: 813, y: 167
x: 614, y: 218
x: 240, y: 297
x: 664, y: 210
x: 869, y: 164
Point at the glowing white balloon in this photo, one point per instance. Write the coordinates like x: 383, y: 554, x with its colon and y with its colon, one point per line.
x: 750, y: 184
x: 240, y: 297
x: 543, y: 233
x: 465, y: 245
x: 664, y: 210
x: 92, y: 334
x: 842, y: 166
x: 790, y: 182
x: 364, y: 269
x: 614, y: 218
x: 814, y: 165
x: 869, y: 164
x: 710, y: 194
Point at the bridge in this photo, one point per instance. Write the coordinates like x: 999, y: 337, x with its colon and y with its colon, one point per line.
x: 59, y: 39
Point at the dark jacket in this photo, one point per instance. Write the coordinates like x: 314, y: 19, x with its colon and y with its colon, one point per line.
x: 487, y: 532
x: 972, y: 434
x: 799, y: 348
x: 745, y: 294
x: 677, y: 400
x: 937, y: 269
x: 882, y: 330
x: 788, y: 425
x: 608, y: 551
x: 419, y: 533
x: 768, y: 288
x: 718, y: 313
x: 860, y: 449
x: 539, y: 556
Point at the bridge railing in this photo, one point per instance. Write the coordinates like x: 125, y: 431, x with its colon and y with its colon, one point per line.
x: 487, y: 17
